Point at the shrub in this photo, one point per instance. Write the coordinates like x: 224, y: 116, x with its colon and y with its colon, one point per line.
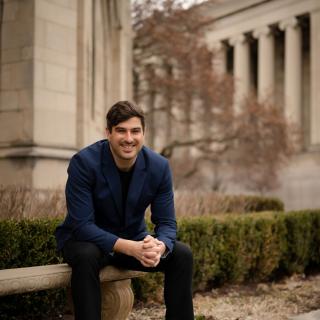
x: 302, y: 235
x: 29, y: 243
x: 237, y: 248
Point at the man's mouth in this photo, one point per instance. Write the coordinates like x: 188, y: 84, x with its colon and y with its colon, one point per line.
x: 127, y: 147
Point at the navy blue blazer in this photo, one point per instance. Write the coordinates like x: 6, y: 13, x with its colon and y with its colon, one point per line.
x: 94, y: 199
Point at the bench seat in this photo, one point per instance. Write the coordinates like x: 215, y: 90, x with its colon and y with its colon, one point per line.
x: 117, y: 296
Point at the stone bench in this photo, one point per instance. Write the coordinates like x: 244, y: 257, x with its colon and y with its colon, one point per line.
x: 116, y: 293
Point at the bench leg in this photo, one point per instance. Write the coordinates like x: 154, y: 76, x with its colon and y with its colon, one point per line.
x: 116, y: 299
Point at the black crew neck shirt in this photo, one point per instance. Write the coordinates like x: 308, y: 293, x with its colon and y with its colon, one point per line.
x: 125, y: 179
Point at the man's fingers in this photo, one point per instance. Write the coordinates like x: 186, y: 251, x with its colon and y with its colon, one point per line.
x: 147, y: 245
x: 151, y: 259
x: 153, y: 251
x: 150, y: 254
x: 148, y: 238
x: 148, y: 262
x: 150, y: 242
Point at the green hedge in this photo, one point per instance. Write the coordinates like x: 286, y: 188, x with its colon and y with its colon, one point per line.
x: 231, y: 248
x: 241, y: 248
x: 252, y: 247
x: 28, y: 243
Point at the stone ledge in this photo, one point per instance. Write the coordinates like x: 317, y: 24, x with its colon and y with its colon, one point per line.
x: 37, y: 152
x: 20, y: 280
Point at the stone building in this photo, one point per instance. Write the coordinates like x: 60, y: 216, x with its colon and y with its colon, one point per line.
x: 273, y: 46
x: 63, y: 63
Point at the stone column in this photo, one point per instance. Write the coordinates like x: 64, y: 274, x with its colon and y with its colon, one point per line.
x: 219, y: 58
x: 241, y: 68
x: 116, y: 300
x: 293, y: 69
x: 266, y: 62
x: 120, y: 51
x: 315, y: 78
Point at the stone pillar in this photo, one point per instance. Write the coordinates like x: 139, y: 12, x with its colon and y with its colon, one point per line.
x: 219, y: 58
x: 241, y: 69
x: 266, y: 62
x: 315, y: 78
x: 38, y: 92
x: 293, y: 70
x: 119, y: 77
x: 16, y: 91
x: 55, y: 62
x: 116, y: 300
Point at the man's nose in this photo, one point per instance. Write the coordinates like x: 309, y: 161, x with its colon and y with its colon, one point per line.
x: 128, y: 137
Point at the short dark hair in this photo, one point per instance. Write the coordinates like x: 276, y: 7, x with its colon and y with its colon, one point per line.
x: 123, y: 111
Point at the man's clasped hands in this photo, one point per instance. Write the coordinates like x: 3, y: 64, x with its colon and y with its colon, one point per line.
x: 149, y: 251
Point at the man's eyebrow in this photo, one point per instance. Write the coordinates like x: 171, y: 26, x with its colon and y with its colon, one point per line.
x: 123, y: 128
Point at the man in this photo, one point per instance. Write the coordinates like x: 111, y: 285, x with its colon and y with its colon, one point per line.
x: 110, y: 185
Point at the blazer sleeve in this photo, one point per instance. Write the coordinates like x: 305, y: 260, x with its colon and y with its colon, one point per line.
x: 163, y: 212
x: 81, y: 212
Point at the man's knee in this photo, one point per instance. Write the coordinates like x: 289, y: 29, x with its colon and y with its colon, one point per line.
x: 89, y: 252
x: 82, y: 253
x: 183, y: 253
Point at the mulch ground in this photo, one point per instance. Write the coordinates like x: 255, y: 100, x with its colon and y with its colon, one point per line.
x: 265, y: 301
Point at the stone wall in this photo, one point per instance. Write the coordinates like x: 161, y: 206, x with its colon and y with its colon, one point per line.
x: 63, y: 63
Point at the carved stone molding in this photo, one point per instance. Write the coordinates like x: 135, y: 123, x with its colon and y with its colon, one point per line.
x: 238, y: 39
x: 289, y: 23
x: 263, y: 31
x: 21, y: 280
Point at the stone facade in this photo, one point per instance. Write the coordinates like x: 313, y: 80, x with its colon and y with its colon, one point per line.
x: 274, y: 47
x: 63, y: 63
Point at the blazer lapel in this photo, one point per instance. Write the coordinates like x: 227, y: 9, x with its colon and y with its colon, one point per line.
x: 111, y: 174
x: 136, y: 184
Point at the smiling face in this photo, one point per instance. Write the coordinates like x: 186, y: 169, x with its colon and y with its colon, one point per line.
x: 126, y: 140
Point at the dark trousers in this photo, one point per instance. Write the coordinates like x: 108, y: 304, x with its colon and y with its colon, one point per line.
x: 86, y: 259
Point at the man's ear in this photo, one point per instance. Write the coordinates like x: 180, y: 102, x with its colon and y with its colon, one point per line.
x: 107, y: 132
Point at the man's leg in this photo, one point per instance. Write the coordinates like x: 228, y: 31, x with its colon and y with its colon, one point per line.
x: 177, y: 268
x: 178, y: 283
x: 86, y: 260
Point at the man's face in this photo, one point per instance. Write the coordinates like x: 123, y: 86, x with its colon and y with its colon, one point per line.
x: 126, y: 140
